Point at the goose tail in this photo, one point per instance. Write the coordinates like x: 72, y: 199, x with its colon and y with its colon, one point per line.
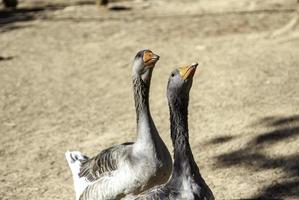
x: 75, y: 160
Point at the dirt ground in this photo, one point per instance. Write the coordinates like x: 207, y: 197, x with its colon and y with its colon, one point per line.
x: 65, y: 84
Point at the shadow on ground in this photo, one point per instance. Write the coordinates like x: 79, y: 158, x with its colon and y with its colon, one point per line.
x: 241, y: 21
x: 252, y: 157
x: 9, y: 17
x: 5, y: 58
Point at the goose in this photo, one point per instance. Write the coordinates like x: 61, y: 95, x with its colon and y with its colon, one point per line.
x: 185, y: 183
x: 128, y: 168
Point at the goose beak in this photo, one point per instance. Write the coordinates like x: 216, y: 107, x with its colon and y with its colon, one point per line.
x: 150, y: 59
x: 188, y: 71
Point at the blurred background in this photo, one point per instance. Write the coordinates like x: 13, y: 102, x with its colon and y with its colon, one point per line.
x: 65, y: 84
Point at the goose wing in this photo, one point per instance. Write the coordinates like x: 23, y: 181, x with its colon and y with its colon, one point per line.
x: 106, y: 161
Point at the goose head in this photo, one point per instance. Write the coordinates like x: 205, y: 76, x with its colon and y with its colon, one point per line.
x: 143, y: 64
x: 180, y: 82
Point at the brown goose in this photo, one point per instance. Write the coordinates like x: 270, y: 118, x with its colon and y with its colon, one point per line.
x: 129, y: 168
x: 186, y: 183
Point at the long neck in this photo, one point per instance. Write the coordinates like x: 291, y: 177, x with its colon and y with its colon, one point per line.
x: 184, y: 164
x: 144, y: 120
x: 185, y: 168
x: 141, y: 97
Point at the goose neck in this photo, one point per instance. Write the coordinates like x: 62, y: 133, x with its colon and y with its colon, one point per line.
x: 184, y: 164
x: 145, y: 124
x: 141, y: 96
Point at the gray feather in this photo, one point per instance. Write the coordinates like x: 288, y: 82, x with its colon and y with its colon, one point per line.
x: 106, y: 161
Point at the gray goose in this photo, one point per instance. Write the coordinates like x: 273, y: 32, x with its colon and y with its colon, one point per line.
x: 129, y: 168
x: 186, y: 183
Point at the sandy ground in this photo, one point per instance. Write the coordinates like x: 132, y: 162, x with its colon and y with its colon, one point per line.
x: 65, y: 84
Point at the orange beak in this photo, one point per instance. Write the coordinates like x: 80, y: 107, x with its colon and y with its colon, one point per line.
x: 188, y: 71
x: 150, y: 59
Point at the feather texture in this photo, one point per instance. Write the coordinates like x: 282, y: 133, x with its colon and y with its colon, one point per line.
x: 106, y: 161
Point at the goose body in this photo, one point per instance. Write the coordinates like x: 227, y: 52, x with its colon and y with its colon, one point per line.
x: 185, y: 183
x: 129, y: 168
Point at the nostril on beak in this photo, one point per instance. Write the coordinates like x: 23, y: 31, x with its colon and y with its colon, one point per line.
x: 156, y: 57
x: 194, y: 64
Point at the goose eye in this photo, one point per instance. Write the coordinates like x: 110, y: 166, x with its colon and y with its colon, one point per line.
x: 172, y: 74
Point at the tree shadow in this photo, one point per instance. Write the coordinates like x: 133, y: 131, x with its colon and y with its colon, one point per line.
x: 13, y: 27
x: 25, y: 14
x: 277, y: 121
x: 284, y: 189
x: 5, y: 58
x: 119, y: 8
x: 276, y: 135
x: 221, y: 139
x: 252, y: 157
x: 9, y: 17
